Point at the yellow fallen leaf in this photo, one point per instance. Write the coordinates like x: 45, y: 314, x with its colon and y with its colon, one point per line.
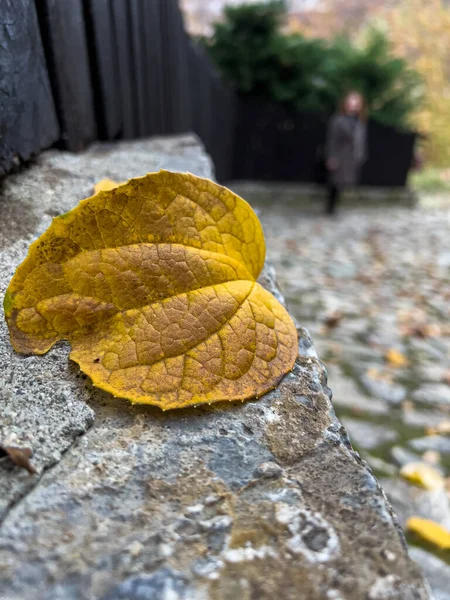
x: 396, y: 358
x: 377, y: 375
x: 105, y: 185
x: 430, y: 531
x: 442, y: 427
x: 407, y: 406
x: 423, y: 475
x: 374, y: 373
x: 431, y: 457
x: 154, y: 285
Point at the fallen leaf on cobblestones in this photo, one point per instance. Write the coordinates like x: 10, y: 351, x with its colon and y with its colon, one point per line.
x: 422, y: 475
x: 431, y: 457
x: 416, y: 323
x: 396, y: 358
x: 19, y: 456
x: 407, y: 405
x: 154, y: 285
x: 430, y: 531
x: 378, y: 375
x: 443, y: 427
x: 421, y: 330
x: 292, y: 245
x: 366, y: 278
x: 334, y: 319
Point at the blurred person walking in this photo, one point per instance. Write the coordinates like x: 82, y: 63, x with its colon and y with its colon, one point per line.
x: 346, y: 147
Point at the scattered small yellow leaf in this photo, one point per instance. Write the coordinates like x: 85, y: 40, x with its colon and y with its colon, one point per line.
x: 396, y: 358
x: 431, y: 457
x: 104, y: 185
x: 407, y: 405
x: 378, y: 375
x: 423, y: 475
x: 374, y: 374
x: 154, y: 285
x: 442, y: 427
x: 430, y: 531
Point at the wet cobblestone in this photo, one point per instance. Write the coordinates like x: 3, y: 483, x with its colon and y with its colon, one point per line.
x: 373, y: 287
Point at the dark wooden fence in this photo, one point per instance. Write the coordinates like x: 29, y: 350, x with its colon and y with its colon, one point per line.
x: 275, y: 144
x: 27, y: 112
x: 73, y: 71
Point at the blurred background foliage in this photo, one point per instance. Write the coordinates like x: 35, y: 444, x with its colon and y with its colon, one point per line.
x: 419, y: 32
x: 260, y: 58
x: 397, y: 53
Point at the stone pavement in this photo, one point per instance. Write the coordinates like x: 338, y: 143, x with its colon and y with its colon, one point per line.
x: 259, y: 500
x: 373, y: 288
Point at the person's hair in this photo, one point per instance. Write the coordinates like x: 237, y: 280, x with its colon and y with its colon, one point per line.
x: 343, y: 99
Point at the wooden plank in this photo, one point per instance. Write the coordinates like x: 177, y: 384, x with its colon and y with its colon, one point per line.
x: 138, y: 46
x: 201, y: 94
x: 104, y: 61
x: 196, y: 78
x: 390, y: 155
x: 28, y: 121
x: 183, y: 96
x: 168, y: 68
x: 175, y: 68
x: 155, y: 123
x: 64, y: 37
x: 123, y: 35
x: 223, y: 104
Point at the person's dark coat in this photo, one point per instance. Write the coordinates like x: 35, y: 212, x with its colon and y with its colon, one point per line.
x: 346, y: 142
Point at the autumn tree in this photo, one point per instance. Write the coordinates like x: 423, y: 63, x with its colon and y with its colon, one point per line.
x: 331, y: 17
x: 420, y: 32
x: 257, y: 56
